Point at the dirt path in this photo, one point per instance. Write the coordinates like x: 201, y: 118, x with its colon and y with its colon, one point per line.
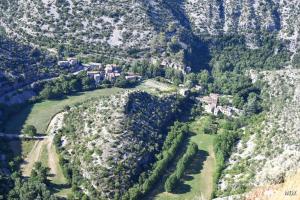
x: 35, y: 154
x: 32, y: 157
x: 207, y: 175
x: 53, y: 162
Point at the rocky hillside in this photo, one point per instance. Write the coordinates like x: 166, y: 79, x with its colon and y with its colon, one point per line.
x: 99, y: 27
x: 156, y: 28
x: 246, y: 17
x: 110, y: 141
x: 22, y: 64
x: 269, y: 151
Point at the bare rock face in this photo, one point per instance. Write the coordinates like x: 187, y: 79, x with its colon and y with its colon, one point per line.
x: 112, y: 140
x: 271, y: 153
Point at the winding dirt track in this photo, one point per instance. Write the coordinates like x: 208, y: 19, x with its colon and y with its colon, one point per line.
x: 53, y: 161
x: 35, y: 154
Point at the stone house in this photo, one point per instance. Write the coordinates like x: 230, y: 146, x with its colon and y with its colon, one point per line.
x: 210, y: 102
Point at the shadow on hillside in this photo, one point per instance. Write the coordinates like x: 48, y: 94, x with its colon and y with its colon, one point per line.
x: 198, y: 55
x: 15, y: 121
x: 55, y: 188
x: 182, y: 188
x: 194, y: 168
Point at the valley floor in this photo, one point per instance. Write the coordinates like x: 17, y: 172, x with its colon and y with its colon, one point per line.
x: 198, y: 180
x: 46, y: 116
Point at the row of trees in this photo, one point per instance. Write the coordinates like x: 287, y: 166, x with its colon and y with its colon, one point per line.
x: 65, y: 85
x: 223, y: 145
x: 174, y: 139
x: 181, y: 166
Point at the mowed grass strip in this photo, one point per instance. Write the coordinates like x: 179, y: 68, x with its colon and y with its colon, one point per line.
x: 41, y: 113
x: 198, y: 180
x: 155, y: 87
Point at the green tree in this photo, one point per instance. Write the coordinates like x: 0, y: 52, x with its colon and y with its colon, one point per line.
x: 39, y: 172
x: 170, y: 183
x: 33, y: 188
x: 29, y: 130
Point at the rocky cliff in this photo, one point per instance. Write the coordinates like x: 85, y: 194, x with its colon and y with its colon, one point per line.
x: 131, y: 28
x: 246, y: 17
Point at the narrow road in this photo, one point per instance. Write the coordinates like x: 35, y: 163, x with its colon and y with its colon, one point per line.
x: 16, y: 136
x: 53, y: 161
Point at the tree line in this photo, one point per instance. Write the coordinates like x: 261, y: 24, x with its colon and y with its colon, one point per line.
x: 174, y: 139
x: 181, y: 166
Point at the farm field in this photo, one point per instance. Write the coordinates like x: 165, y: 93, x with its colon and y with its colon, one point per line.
x: 40, y: 114
x: 198, y: 180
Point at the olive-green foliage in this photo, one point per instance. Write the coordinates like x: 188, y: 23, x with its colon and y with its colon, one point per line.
x: 65, y: 85
x: 230, y: 53
x: 33, y: 188
x: 223, y: 144
x: 29, y: 130
x: 181, y: 166
x: 175, y: 137
x: 5, y: 185
x: 171, y: 183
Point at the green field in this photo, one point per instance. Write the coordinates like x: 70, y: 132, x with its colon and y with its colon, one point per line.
x: 198, y: 180
x: 41, y: 113
x: 155, y: 87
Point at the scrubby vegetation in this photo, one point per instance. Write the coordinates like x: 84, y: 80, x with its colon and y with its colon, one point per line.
x: 130, y: 128
x: 148, y: 180
x: 112, y: 144
x: 230, y: 53
x: 29, y: 130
